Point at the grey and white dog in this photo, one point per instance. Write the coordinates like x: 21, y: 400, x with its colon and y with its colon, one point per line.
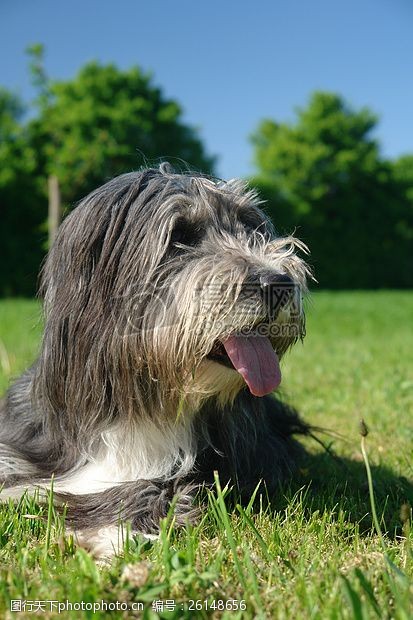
x: 169, y: 301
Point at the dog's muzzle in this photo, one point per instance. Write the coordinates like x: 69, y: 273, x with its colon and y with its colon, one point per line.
x: 252, y: 354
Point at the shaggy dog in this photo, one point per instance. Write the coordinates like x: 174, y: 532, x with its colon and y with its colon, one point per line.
x: 168, y: 301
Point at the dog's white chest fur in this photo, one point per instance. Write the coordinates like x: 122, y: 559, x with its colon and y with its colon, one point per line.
x: 132, y: 452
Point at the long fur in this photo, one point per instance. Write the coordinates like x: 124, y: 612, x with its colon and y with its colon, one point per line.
x: 124, y: 405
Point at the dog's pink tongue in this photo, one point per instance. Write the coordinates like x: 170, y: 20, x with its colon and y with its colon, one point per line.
x: 256, y: 361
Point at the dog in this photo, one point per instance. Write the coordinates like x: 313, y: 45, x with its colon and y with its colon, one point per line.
x: 169, y: 301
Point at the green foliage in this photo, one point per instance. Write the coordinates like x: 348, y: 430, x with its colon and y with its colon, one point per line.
x: 324, y: 175
x: 314, y: 553
x: 103, y: 123
x: 40, y: 79
x: 403, y: 171
x: 22, y: 205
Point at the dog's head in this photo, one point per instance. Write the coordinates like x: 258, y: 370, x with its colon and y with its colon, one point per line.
x: 172, y: 283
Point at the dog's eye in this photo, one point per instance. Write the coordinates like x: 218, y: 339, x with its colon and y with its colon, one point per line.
x: 248, y: 223
x: 184, y: 233
x: 252, y: 225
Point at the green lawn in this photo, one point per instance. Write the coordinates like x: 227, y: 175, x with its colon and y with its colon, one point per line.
x: 315, y: 553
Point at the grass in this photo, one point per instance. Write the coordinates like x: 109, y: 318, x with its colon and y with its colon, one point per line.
x: 317, y: 552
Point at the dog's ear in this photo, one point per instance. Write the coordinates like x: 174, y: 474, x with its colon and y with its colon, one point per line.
x: 82, y: 277
x: 97, y: 237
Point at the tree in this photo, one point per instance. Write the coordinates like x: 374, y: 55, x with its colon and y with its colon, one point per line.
x: 106, y: 122
x: 325, y: 176
x: 22, y: 207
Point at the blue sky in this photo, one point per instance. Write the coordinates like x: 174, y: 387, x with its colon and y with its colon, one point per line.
x: 231, y: 63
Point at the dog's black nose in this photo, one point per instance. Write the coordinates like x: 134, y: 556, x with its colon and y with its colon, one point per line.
x: 276, y: 291
x: 275, y: 279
